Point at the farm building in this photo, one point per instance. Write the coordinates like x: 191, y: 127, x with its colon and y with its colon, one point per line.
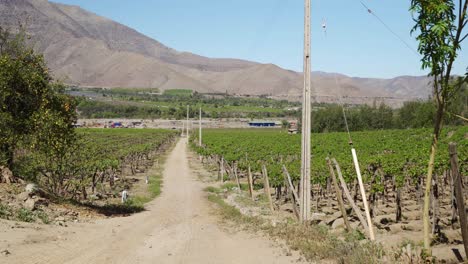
x: 262, y: 124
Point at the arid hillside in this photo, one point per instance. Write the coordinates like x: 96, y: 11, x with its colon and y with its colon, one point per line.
x: 86, y: 49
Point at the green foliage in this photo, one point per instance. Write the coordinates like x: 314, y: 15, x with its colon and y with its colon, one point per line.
x: 399, y: 153
x: 212, y: 189
x: 439, y: 29
x: 67, y: 170
x: 178, y: 92
x: 417, y: 114
x: 25, y: 215
x: 414, y: 114
x: 33, y: 107
x: 5, y: 212
x: 43, y: 216
x: 173, y: 103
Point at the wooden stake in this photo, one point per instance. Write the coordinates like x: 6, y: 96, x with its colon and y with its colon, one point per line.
x: 237, y: 177
x: 266, y: 187
x: 200, y: 130
x: 222, y: 169
x: 292, y: 192
x: 453, y: 200
x: 398, y: 205
x: 363, y: 194
x: 339, y: 197
x: 459, y: 194
x: 250, y: 180
x: 349, y: 197
x: 289, y: 181
x: 188, y: 108
x: 435, y: 206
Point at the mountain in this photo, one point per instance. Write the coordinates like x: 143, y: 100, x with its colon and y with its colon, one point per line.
x: 85, y: 49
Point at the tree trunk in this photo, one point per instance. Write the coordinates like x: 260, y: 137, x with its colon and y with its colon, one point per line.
x: 430, y: 170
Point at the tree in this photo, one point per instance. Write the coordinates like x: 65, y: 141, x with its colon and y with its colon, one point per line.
x: 439, y: 27
x: 30, y: 100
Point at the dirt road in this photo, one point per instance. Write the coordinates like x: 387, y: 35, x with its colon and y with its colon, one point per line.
x: 178, y: 227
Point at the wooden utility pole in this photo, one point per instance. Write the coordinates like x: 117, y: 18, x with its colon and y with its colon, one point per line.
x: 304, y: 191
x: 188, y: 108
x: 200, y: 131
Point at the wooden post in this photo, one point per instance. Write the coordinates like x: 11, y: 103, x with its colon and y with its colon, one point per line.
x: 292, y: 192
x: 306, y: 122
x: 237, y: 176
x: 222, y: 169
x: 266, y: 187
x: 363, y: 194
x: 349, y: 197
x: 183, y: 128
x: 398, y: 205
x: 250, y: 180
x: 453, y: 201
x: 435, y: 206
x: 339, y: 197
x: 188, y: 108
x: 200, y: 130
x: 459, y: 194
x: 289, y: 181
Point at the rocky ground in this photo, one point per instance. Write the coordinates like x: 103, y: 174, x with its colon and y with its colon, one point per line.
x: 403, y: 239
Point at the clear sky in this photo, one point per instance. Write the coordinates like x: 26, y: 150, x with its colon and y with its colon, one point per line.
x: 271, y: 31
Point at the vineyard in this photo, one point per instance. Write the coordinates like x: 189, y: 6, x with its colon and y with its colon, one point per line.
x: 393, y: 164
x: 113, y: 153
x: 94, y: 161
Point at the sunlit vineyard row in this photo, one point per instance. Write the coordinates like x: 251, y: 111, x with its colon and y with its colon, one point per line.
x: 402, y: 154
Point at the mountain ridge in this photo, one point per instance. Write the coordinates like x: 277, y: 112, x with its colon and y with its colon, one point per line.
x: 83, y: 48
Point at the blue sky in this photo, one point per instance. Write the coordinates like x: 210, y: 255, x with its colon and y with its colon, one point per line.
x: 270, y: 31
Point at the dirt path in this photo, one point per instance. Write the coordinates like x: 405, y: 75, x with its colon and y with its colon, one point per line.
x: 178, y: 227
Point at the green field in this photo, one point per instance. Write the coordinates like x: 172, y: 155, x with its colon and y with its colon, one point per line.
x: 178, y: 92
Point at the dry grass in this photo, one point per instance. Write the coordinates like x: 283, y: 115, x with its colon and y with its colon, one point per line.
x: 314, y: 242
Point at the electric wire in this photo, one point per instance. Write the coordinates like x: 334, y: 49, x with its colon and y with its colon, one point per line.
x: 370, y: 11
x: 338, y: 85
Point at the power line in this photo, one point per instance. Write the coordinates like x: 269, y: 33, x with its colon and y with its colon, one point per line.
x: 343, y: 108
x: 388, y: 27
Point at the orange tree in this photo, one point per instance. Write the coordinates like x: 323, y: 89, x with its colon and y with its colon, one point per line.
x: 34, y: 112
